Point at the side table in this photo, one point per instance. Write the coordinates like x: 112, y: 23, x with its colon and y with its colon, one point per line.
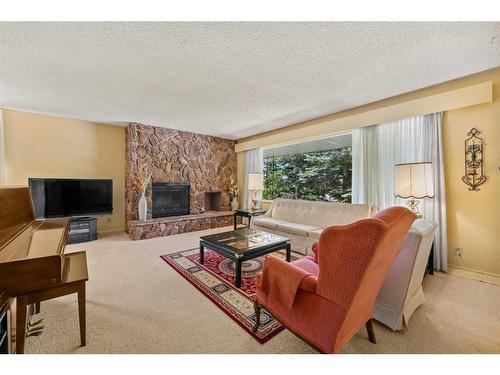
x: 248, y: 214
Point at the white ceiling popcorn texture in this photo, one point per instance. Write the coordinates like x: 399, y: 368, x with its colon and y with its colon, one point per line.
x: 229, y: 79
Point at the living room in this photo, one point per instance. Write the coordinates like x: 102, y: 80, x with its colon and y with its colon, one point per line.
x: 249, y: 188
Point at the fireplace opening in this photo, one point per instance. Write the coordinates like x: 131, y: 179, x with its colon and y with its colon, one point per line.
x: 212, y: 201
x: 170, y: 199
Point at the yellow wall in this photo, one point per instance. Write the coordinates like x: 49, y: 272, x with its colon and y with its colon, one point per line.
x: 473, y: 217
x: 45, y: 146
x: 240, y: 170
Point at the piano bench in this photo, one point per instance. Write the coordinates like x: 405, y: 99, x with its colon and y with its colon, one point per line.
x: 74, y: 277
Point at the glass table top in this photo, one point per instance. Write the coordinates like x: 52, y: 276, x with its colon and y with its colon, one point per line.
x: 244, y: 238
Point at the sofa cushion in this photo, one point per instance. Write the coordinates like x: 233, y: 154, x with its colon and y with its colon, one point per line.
x: 315, y: 234
x: 267, y: 222
x: 296, y: 228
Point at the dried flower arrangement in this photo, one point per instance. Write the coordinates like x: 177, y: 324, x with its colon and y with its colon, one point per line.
x: 142, y: 180
x: 234, y: 190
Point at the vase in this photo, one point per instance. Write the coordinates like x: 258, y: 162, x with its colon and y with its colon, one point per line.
x: 234, y: 204
x: 142, y: 207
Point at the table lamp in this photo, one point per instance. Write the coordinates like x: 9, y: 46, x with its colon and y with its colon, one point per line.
x: 255, y: 184
x: 413, y: 181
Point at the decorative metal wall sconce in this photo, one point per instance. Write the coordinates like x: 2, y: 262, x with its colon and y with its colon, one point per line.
x: 474, y: 160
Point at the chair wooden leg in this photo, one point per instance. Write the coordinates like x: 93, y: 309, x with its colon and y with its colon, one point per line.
x: 81, y: 313
x: 256, y: 307
x: 371, y: 332
x: 22, y: 304
x: 37, y: 307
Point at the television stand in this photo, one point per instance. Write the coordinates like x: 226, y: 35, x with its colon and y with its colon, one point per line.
x: 82, y: 229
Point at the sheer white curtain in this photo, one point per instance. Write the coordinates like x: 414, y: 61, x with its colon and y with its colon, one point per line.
x: 2, y: 151
x: 254, y: 163
x: 375, y: 151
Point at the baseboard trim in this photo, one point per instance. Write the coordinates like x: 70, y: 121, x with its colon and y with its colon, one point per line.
x: 486, y: 277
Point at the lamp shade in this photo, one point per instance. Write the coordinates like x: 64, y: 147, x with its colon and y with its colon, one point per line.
x: 414, y: 180
x: 255, y: 181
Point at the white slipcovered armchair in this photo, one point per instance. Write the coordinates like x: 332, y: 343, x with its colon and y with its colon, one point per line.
x: 402, y: 291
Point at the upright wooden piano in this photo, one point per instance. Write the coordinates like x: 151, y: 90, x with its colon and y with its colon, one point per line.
x: 33, y: 265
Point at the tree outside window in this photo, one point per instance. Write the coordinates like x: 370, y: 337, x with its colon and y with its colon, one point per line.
x: 317, y: 175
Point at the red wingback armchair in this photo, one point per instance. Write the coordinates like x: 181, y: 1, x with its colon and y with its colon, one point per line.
x: 327, y: 298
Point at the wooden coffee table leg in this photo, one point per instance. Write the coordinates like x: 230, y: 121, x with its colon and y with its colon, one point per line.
x: 238, y: 272
x: 288, y: 252
x: 202, y: 253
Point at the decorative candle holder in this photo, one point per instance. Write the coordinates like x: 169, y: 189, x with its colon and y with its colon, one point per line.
x: 474, y: 154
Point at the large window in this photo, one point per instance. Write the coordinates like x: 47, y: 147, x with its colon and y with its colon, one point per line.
x: 318, y: 170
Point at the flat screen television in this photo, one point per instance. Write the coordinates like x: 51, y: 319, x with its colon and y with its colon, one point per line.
x: 62, y: 197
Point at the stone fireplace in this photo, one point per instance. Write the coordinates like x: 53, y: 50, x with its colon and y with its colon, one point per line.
x: 176, y: 160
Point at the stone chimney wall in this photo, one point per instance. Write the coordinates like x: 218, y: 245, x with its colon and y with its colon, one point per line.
x: 207, y: 163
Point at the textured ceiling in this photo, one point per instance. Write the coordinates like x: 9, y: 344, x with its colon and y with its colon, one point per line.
x: 229, y: 79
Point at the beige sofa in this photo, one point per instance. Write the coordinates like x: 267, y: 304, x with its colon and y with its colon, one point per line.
x: 303, y: 221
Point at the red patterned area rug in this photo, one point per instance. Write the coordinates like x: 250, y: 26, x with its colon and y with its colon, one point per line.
x: 215, y: 279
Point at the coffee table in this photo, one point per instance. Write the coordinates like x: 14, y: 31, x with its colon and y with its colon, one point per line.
x: 244, y: 244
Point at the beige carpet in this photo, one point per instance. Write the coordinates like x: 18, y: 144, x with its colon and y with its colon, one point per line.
x: 138, y: 304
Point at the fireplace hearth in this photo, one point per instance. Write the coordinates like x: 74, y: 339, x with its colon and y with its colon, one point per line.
x: 170, y: 199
